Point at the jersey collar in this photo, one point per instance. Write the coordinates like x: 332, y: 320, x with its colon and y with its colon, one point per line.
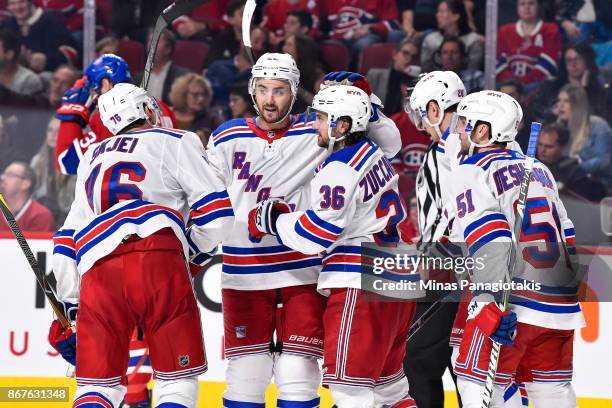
x: 270, y: 135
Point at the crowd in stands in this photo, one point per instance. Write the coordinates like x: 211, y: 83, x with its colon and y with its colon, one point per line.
x: 553, y: 56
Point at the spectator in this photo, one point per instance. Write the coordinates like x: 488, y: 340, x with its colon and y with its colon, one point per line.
x: 362, y: 22
x: 452, y: 58
x: 134, y: 18
x: 62, y: 79
x: 385, y: 82
x: 570, y: 178
x: 240, y: 103
x: 223, y: 72
x: 590, y: 135
x: 417, y: 15
x: 107, y: 45
x: 42, y: 51
x: 409, y: 227
x: 305, y: 52
x: 13, y: 75
x: 577, y: 67
x: 514, y: 88
x: 71, y: 11
x: 528, y: 49
x: 226, y: 44
x: 201, y: 22
x: 8, y: 153
x: 585, y: 20
x: 16, y: 184
x: 54, y: 190
x: 164, y: 71
x: 414, y: 146
x: 284, y: 17
x: 452, y: 20
x: 191, y: 96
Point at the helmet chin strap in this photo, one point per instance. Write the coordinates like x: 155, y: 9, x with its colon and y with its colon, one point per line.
x: 333, y: 139
x: 436, y: 125
x: 474, y: 145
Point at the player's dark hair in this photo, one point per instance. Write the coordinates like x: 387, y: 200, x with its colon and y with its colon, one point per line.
x: 303, y: 16
x: 233, y: 6
x: 560, y: 130
x: 139, y: 122
x: 455, y: 40
x: 352, y: 138
x: 482, y: 122
x: 512, y: 82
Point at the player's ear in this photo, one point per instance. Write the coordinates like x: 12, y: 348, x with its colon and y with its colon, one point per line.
x: 343, y: 126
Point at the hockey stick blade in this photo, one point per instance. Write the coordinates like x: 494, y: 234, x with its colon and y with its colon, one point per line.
x: 247, y: 16
x: 170, y: 13
x: 40, y: 276
x: 518, y: 223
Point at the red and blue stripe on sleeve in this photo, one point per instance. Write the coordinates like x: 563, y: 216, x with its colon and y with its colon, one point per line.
x: 63, y: 243
x: 316, y: 230
x: 211, y: 207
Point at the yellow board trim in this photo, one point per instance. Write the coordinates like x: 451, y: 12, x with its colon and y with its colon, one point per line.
x: 209, y: 395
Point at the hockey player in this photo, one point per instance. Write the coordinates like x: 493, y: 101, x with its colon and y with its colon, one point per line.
x: 486, y: 188
x: 121, y: 255
x: 354, y: 199
x: 267, y: 287
x: 76, y: 112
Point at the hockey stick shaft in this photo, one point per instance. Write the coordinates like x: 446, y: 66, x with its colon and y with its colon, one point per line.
x: 429, y: 314
x: 247, y: 17
x: 40, y: 276
x: 170, y: 13
x: 518, y: 223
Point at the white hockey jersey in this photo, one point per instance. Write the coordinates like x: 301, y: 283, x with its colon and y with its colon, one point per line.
x: 353, y: 199
x: 486, y: 189
x: 138, y: 183
x: 256, y: 164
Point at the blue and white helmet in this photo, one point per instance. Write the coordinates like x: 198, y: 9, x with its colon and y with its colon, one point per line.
x: 109, y: 66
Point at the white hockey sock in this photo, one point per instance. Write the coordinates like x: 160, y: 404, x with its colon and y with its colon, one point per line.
x: 247, y: 378
x: 181, y: 392
x: 558, y: 395
x: 347, y: 396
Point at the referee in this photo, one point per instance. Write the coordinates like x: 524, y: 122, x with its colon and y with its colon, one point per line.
x: 432, y: 107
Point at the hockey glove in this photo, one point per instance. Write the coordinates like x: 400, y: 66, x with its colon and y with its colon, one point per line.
x: 354, y: 79
x: 262, y: 219
x: 74, y: 102
x: 500, y: 326
x: 64, y: 341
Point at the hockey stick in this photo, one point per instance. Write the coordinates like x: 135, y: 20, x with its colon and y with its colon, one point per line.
x: 247, y: 16
x: 428, y: 314
x: 41, y: 278
x: 518, y: 223
x: 170, y: 13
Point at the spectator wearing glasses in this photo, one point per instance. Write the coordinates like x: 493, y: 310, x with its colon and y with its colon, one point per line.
x: 404, y: 68
x: 16, y: 185
x: 191, y: 96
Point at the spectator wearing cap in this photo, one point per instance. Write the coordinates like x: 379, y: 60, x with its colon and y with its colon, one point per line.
x: 164, y: 71
x: 13, y: 75
x: 452, y: 58
x: 570, y: 178
x: 16, y: 185
x: 46, y: 40
x: 404, y: 68
x: 452, y: 20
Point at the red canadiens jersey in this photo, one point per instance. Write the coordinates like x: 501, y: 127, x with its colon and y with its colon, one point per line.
x: 276, y: 11
x: 72, y: 142
x: 528, y: 58
x: 345, y: 16
x: 414, y: 145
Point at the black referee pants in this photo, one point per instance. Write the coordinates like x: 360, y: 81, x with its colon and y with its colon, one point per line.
x: 428, y: 355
